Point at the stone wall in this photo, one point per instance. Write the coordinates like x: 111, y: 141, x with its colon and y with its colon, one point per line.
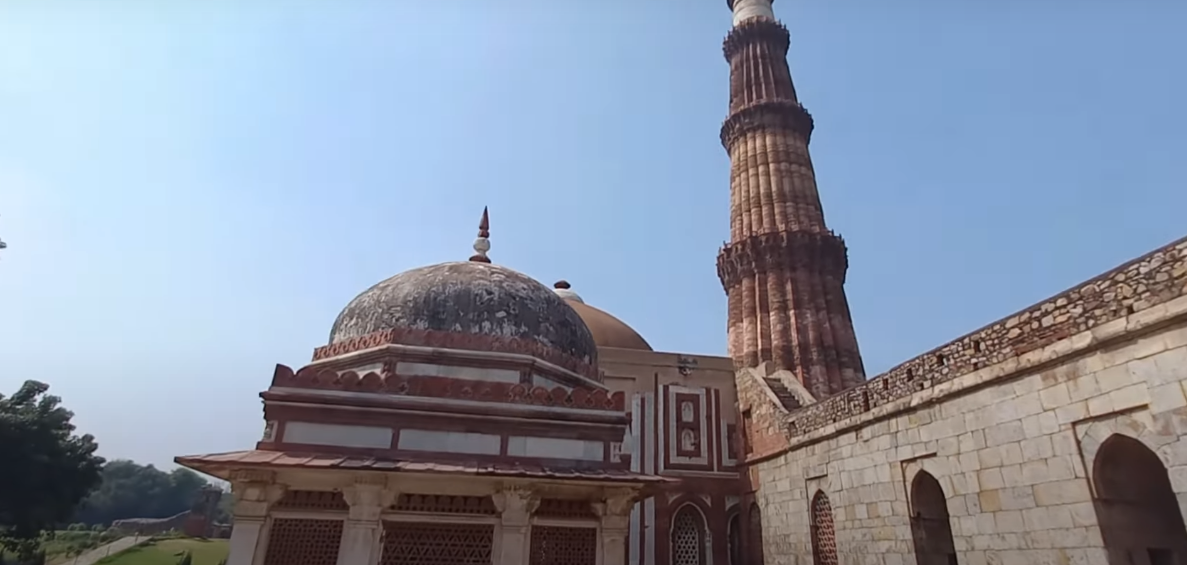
x: 1153, y: 279
x: 1009, y: 422
x: 151, y: 526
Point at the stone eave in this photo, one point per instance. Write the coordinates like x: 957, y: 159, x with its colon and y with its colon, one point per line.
x: 226, y: 465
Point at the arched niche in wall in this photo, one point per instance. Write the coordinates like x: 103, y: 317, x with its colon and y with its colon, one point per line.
x: 734, y: 545
x: 824, y: 533
x: 931, y: 528
x: 754, y: 547
x: 1139, y: 515
x: 689, y: 536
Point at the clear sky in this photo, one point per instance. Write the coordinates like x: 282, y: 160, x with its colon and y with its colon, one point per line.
x: 192, y: 190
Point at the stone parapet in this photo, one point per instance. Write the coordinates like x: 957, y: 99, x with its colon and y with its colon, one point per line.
x: 1127, y: 294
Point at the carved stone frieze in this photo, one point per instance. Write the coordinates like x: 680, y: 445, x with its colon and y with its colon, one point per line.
x: 252, y: 476
x: 460, y: 389
x: 758, y: 30
x: 766, y: 115
x: 824, y: 253
x: 453, y: 340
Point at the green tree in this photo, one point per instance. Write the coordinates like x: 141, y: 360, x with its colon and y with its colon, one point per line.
x: 47, y: 469
x: 130, y: 490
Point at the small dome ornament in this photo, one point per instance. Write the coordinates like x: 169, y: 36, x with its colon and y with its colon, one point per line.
x: 563, y: 289
x: 482, y: 244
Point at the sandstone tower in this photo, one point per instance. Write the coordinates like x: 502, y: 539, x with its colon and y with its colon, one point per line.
x: 783, y: 269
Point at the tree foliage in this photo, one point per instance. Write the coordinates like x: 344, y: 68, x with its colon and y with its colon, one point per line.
x: 130, y: 490
x: 47, y: 469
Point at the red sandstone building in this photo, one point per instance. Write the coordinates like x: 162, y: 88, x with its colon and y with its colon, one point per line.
x: 464, y: 413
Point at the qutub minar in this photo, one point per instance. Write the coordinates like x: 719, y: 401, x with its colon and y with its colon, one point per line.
x: 463, y: 413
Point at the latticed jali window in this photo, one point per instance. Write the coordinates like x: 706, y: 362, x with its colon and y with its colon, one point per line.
x: 411, y: 543
x: 688, y: 537
x: 824, y: 535
x: 557, y: 545
x: 303, y: 542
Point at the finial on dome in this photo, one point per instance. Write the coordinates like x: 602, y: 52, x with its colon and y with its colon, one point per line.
x: 482, y: 244
x: 563, y: 289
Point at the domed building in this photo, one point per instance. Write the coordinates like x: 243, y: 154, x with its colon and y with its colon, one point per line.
x: 466, y: 414
x: 460, y: 401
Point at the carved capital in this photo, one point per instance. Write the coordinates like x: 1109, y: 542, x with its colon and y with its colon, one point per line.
x: 368, y: 497
x: 252, y: 476
x: 616, y: 506
x: 257, y: 491
x: 253, y: 499
x: 516, y: 504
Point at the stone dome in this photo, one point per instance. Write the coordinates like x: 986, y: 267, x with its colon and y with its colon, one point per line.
x: 499, y: 306
x: 607, y: 330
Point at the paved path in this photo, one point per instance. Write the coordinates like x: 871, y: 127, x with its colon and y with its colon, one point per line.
x: 90, y: 557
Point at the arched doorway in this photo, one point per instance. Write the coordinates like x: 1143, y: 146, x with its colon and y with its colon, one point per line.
x: 688, y: 536
x: 754, y: 548
x: 1139, y: 516
x: 931, y: 529
x: 734, y: 541
x: 824, y: 535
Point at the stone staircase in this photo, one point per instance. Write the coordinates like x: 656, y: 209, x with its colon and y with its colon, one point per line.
x: 789, y: 401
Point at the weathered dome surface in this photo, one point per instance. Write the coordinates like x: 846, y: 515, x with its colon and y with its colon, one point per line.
x: 473, y: 299
x: 607, y: 330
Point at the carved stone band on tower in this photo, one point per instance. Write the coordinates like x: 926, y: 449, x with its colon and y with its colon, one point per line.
x: 783, y: 269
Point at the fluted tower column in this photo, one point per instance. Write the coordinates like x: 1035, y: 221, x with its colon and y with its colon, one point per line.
x: 783, y: 269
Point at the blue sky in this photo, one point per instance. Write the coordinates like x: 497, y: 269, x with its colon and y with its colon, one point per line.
x: 192, y: 190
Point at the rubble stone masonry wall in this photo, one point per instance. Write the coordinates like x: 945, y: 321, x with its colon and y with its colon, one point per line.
x: 1008, y: 419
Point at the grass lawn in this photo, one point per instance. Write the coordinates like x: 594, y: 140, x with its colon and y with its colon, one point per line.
x: 168, y: 552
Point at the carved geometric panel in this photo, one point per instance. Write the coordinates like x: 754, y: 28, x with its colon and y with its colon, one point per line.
x: 689, y: 435
x: 410, y: 543
x: 554, y: 545
x: 308, y: 542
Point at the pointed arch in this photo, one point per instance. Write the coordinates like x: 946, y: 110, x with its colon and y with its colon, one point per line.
x: 824, y: 534
x: 1139, y: 515
x: 689, y: 536
x: 754, y: 547
x: 733, y: 541
x: 931, y: 527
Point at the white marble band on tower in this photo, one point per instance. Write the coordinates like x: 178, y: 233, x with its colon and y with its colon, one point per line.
x: 746, y: 9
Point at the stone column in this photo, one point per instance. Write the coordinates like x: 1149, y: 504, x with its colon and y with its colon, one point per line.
x: 362, y: 533
x: 254, y: 494
x: 615, y: 515
x: 515, y: 513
